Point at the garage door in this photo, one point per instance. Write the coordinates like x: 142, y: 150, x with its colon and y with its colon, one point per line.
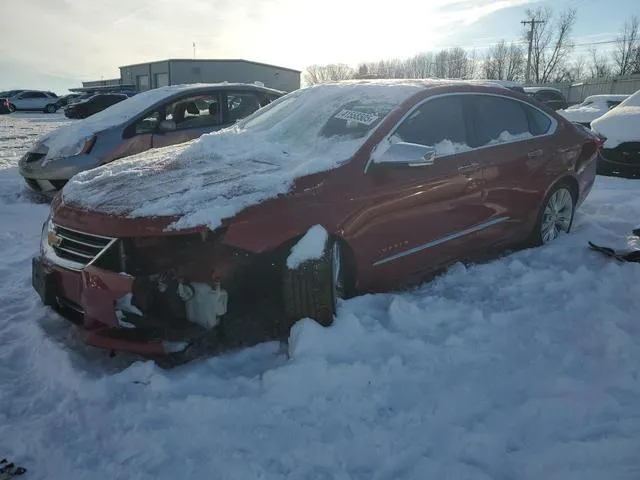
x: 162, y: 80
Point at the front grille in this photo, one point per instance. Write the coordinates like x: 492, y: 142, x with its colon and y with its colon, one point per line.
x: 78, y: 247
x: 33, y: 157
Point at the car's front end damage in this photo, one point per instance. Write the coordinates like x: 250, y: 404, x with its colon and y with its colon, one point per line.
x: 156, y: 294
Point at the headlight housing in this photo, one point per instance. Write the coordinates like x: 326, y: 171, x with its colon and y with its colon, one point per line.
x: 47, y: 236
x: 85, y: 145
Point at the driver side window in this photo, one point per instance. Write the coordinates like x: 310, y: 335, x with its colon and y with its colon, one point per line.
x: 148, y: 124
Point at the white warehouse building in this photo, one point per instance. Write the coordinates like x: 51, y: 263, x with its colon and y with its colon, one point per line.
x: 145, y: 76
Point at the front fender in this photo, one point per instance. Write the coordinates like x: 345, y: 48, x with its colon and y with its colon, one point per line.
x: 266, y: 232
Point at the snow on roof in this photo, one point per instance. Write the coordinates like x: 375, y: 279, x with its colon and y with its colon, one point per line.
x: 614, y: 97
x: 538, y: 89
x: 221, y: 173
x: 621, y: 124
x: 68, y: 140
x: 593, y: 107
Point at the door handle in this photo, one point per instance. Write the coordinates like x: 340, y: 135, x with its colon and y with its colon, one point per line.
x: 469, y: 167
x: 535, y: 153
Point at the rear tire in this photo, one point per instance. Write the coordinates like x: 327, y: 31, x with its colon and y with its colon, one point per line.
x: 51, y: 108
x: 313, y: 289
x: 555, y: 216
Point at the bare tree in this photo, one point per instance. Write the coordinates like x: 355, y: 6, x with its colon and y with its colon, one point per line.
x: 504, y: 62
x: 599, y: 66
x: 440, y: 64
x: 551, y: 42
x: 627, y: 45
x: 315, y: 74
x: 420, y: 65
x: 459, y: 64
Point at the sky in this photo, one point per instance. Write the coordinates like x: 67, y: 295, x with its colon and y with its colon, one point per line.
x: 68, y: 41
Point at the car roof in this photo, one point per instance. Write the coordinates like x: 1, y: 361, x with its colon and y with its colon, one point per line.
x: 541, y: 89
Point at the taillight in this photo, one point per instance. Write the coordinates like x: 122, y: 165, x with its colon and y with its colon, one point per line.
x: 6, y: 103
x: 600, y: 139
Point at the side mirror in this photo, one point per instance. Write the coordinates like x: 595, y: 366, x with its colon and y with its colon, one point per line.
x: 167, y: 126
x: 408, y: 155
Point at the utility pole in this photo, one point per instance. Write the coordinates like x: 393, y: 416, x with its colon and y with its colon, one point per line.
x: 533, y: 23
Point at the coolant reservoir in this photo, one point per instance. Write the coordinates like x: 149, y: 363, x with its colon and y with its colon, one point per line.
x: 204, y: 305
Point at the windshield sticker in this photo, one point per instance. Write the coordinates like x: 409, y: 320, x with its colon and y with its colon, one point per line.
x: 359, y: 117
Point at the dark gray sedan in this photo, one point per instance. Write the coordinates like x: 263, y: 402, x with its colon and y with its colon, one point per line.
x: 152, y: 119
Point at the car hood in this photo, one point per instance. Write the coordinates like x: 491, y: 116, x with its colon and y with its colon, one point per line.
x: 204, y: 181
x: 584, y: 114
x: 619, y: 125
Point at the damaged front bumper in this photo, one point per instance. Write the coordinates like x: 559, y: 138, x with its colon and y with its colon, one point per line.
x: 148, y: 314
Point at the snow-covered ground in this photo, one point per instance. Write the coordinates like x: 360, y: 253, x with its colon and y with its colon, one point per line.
x: 527, y: 367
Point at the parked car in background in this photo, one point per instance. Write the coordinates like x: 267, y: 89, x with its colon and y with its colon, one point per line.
x: 620, y: 131
x: 31, y: 100
x: 331, y: 190
x: 155, y: 118
x: 93, y: 105
x: 593, y: 107
x: 551, y: 97
x: 66, y: 99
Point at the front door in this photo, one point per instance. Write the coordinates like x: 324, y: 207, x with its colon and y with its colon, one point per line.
x: 417, y: 219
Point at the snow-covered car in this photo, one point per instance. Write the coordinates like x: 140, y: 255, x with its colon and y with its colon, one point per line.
x: 620, y: 131
x: 593, y: 107
x: 551, y: 97
x: 31, y: 100
x: 329, y: 191
x: 155, y: 118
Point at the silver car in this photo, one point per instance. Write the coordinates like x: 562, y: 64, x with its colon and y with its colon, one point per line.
x: 155, y: 118
x: 30, y: 100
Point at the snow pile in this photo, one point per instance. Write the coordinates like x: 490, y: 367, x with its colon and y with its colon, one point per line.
x: 69, y: 140
x: 447, y: 147
x: 220, y: 174
x: 309, y: 247
x: 621, y: 124
x: 507, y: 136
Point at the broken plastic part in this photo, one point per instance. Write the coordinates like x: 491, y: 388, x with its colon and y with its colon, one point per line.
x: 174, y: 347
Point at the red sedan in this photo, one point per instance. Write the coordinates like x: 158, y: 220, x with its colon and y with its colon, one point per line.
x: 330, y: 191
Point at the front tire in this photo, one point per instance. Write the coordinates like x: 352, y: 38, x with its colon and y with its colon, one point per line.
x: 555, y: 216
x: 51, y: 108
x: 313, y: 289
x: 12, y: 107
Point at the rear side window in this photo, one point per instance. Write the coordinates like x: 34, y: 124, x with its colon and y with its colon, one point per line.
x: 498, y: 120
x: 539, y: 123
x: 439, y: 123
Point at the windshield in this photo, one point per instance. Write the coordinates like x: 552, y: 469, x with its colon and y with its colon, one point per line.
x: 338, y: 113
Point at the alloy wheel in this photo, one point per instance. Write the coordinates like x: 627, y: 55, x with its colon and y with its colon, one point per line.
x: 557, y: 215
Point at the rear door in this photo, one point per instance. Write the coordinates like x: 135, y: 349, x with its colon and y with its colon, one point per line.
x: 420, y: 218
x: 514, y: 142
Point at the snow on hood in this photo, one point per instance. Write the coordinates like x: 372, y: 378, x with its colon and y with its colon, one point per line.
x: 621, y: 124
x: 70, y: 139
x: 215, y: 177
